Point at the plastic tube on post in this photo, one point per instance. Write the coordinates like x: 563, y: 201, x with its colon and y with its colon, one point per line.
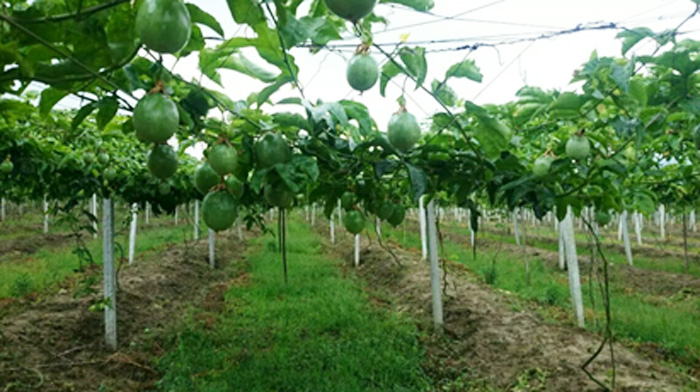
x: 212, y: 261
x: 357, y: 250
x: 638, y: 227
x: 148, y: 213
x: 2, y: 209
x: 626, y: 238
x: 562, y: 249
x: 693, y: 224
x: 435, y: 273
x: 196, y: 220
x: 132, y: 232
x: 177, y: 218
x: 572, y: 265
x: 662, y: 221
x: 93, y: 211
x: 378, y: 224
x: 340, y: 214
x: 332, y: 229
x: 46, y: 215
x: 109, y: 275
x: 423, y: 234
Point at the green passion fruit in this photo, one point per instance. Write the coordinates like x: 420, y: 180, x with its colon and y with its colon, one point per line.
x: 354, y: 222
x: 89, y: 158
x: 542, y: 166
x: 219, y: 210
x: 362, y: 72
x: 603, y: 217
x: 164, y: 188
x: 578, y: 147
x: 398, y: 216
x: 385, y: 210
x: 279, y: 195
x: 6, y: 167
x: 103, y: 158
x: 164, y: 25
x: 205, y: 178
x: 272, y: 149
x: 155, y: 118
x: 110, y: 174
x: 162, y: 161
x: 347, y: 201
x: 352, y: 10
x: 235, y: 186
x: 223, y: 158
x: 404, y: 131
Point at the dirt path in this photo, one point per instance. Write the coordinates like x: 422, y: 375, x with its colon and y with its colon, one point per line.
x: 486, y: 340
x: 56, y: 344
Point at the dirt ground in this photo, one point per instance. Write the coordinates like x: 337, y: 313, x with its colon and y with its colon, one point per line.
x: 486, y: 343
x: 56, y: 343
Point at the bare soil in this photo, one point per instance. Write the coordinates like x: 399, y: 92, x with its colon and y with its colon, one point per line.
x: 56, y: 344
x: 489, y: 340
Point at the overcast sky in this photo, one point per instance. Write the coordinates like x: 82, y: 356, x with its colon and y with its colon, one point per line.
x: 548, y: 63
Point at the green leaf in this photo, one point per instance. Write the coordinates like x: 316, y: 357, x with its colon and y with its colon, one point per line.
x: 49, y: 98
x: 418, y: 5
x: 197, y: 15
x: 389, y: 71
x: 82, y: 114
x: 492, y: 134
x: 632, y: 37
x: 419, y: 181
x: 360, y: 113
x: 415, y: 62
x: 264, y: 94
x: 106, y: 110
x: 444, y: 93
x: 465, y: 69
x: 246, y: 12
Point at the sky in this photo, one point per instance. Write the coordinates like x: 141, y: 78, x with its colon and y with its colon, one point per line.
x: 548, y: 63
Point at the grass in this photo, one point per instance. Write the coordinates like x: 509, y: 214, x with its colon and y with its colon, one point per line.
x: 672, y: 323
x: 667, y: 264
x: 317, y: 333
x: 51, y: 266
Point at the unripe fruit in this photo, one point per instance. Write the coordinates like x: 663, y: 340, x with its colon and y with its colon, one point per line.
x: 362, y: 72
x: 404, y: 131
x: 164, y: 25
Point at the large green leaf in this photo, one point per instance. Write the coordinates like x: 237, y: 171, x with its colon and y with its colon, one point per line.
x: 389, y: 71
x: 465, y: 69
x: 632, y: 37
x: 49, y: 98
x: 415, y: 62
x: 197, y: 15
x: 106, y: 110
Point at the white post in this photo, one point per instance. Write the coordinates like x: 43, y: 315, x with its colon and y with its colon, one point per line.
x: 332, y: 229
x: 626, y: 238
x: 435, y: 273
x: 148, y: 213
x: 357, y: 250
x: 212, y: 261
x: 572, y: 264
x: 196, y: 220
x: 515, y: 227
x: 662, y: 221
x: 177, y: 218
x: 93, y: 211
x: 313, y: 215
x: 2, y: 209
x: 620, y: 218
x: 693, y: 225
x: 272, y: 214
x: 239, y: 229
x: 110, y: 278
x: 638, y: 227
x: 46, y: 215
x: 562, y: 248
x: 378, y: 223
x: 340, y: 214
x: 132, y: 232
x: 423, y: 234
